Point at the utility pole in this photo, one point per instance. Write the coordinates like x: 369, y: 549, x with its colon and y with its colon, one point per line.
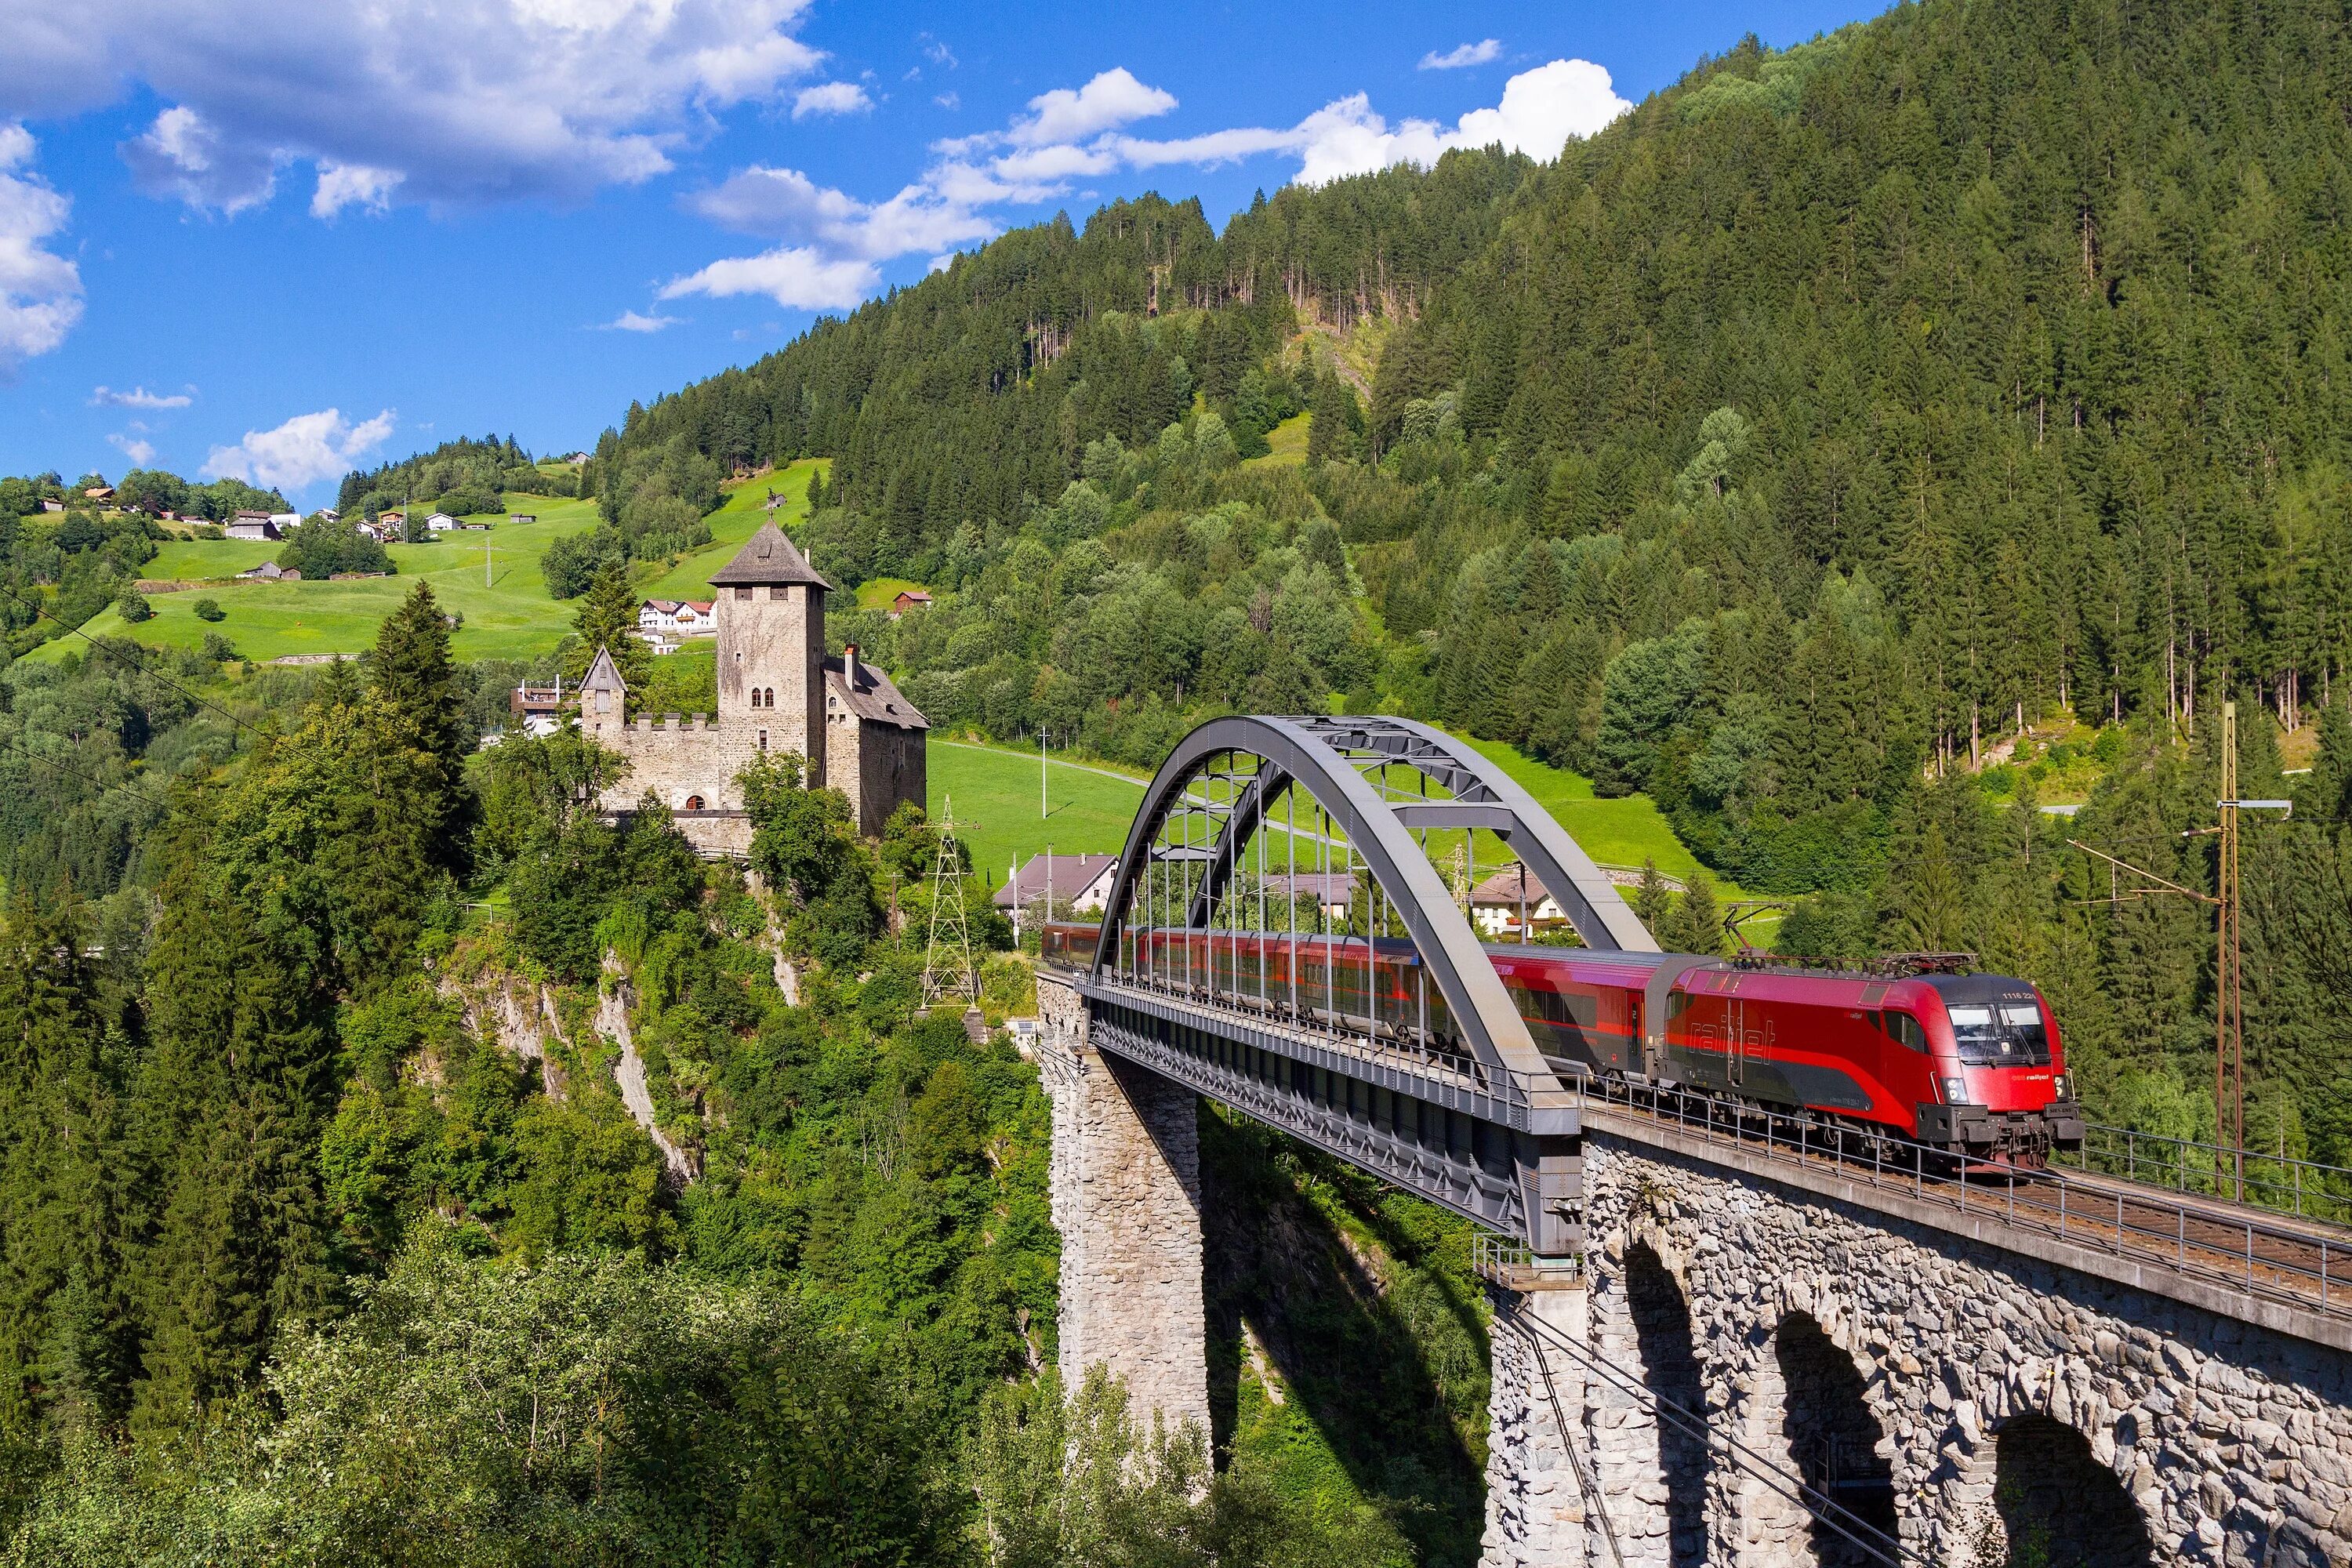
x: 2229, y: 999
x: 1042, y: 810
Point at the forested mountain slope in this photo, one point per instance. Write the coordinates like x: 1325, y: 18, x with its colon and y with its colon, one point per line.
x: 1785, y: 450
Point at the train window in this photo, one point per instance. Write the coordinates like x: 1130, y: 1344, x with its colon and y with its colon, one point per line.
x: 1677, y: 1004
x: 2029, y: 1031
x: 1979, y: 1037
x: 1906, y: 1030
x: 1553, y: 1008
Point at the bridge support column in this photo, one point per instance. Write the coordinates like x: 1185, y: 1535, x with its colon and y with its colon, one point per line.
x: 1125, y: 1196
x: 1538, y: 1515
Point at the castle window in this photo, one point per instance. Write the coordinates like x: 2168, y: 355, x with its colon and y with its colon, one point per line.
x: 764, y: 740
x: 770, y: 700
x: 755, y: 696
x: 743, y: 592
x: 778, y: 594
x: 694, y: 803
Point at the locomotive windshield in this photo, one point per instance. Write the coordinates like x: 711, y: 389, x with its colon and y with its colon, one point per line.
x: 2000, y: 1034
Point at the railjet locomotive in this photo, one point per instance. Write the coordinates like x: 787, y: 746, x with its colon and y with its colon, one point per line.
x: 1967, y: 1063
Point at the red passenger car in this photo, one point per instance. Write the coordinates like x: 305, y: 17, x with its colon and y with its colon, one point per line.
x: 1968, y: 1063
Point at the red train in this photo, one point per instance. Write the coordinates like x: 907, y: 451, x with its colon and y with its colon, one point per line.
x: 1968, y: 1063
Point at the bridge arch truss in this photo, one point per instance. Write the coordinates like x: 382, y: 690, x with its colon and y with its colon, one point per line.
x: 1280, y: 936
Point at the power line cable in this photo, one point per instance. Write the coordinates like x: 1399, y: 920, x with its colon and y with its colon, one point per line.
x: 31, y: 755
x: 114, y: 652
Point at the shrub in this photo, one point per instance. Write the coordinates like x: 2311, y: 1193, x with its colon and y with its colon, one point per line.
x: 209, y: 610
x: 219, y: 649
x: 132, y: 607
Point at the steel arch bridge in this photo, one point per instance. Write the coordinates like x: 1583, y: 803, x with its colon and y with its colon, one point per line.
x: 1281, y: 937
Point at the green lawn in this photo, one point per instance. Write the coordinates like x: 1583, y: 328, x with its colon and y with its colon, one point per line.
x: 879, y: 593
x: 994, y: 793
x: 510, y: 617
x: 736, y: 520
x: 1622, y: 832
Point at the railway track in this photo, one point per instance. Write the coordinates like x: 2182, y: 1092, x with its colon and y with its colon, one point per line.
x: 2298, y: 1261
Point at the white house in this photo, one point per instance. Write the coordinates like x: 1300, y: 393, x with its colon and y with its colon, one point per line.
x: 522, y: 517
x: 659, y: 618
x: 440, y: 522
x: 697, y: 618
x: 1077, y: 883
x: 285, y: 519
x: 1497, y: 904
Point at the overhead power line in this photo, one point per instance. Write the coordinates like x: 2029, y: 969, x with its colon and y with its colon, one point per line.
x: 113, y: 652
x: 99, y: 784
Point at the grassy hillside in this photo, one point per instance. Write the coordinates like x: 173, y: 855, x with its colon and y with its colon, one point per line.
x: 509, y: 615
x: 736, y: 520
x: 995, y: 792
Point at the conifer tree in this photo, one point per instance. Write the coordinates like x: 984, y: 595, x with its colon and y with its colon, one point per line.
x: 608, y: 619
x: 414, y: 676
x: 1652, y: 902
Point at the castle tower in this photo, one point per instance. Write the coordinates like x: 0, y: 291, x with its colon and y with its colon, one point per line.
x: 772, y: 684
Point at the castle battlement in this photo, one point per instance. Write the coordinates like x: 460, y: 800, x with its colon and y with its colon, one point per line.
x: 777, y: 692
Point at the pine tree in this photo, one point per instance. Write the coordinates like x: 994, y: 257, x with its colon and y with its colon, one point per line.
x: 607, y: 619
x: 1653, y: 904
x: 414, y: 676
x: 1695, y: 924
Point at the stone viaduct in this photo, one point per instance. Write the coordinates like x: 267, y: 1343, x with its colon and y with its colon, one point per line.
x: 1739, y: 1355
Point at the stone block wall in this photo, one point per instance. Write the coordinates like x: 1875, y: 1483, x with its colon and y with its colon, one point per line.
x: 2000, y: 1394
x: 1126, y: 1196
x: 1537, y: 1507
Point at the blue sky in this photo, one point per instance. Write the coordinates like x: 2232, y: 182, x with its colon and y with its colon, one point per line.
x: 279, y: 238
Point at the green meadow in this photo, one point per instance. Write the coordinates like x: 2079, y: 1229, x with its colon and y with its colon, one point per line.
x: 737, y: 520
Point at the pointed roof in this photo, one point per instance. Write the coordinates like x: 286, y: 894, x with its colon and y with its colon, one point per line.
x: 768, y: 557
x: 604, y: 675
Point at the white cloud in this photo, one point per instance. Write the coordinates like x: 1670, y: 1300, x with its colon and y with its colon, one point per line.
x: 831, y: 98
x: 1462, y: 55
x: 1110, y: 101
x: 631, y: 321
x: 795, y: 277
x: 182, y: 155
x: 938, y: 53
x: 344, y: 185
x: 829, y: 243
x: 140, y: 452
x: 139, y: 398
x: 494, y: 101
x: 949, y: 101
x: 304, y: 450
x: 786, y: 205
x: 40, y: 291
x: 1541, y: 108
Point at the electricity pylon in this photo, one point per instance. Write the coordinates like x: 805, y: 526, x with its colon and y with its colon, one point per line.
x: 948, y: 968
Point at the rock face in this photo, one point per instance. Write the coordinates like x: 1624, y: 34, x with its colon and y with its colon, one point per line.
x: 1125, y: 1196
x: 1974, y: 1402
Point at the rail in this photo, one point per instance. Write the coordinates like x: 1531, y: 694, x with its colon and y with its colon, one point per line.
x: 2305, y: 1267
x: 2305, y: 1188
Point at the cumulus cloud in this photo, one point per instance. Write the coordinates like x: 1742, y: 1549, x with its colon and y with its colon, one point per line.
x: 786, y: 205
x: 40, y: 291
x: 831, y: 98
x: 632, y: 322
x: 1541, y: 108
x: 344, y: 185
x: 408, y: 100
x: 1111, y: 99
x: 1462, y: 55
x: 795, y: 277
x: 141, y: 451
x: 139, y: 398
x: 828, y: 244
x: 304, y: 450
x: 182, y: 155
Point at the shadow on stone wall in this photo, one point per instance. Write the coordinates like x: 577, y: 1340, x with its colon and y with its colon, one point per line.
x: 2060, y: 1507
x: 1381, y: 1376
x: 1661, y: 1331
x: 1834, y: 1438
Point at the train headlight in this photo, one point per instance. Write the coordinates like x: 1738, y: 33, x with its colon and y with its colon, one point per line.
x: 1955, y: 1091
x: 2058, y: 1085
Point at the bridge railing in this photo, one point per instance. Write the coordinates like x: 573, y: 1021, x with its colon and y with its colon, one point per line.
x: 2305, y: 1188
x: 2302, y: 1266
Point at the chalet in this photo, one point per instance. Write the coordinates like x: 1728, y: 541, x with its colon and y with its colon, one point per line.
x: 285, y: 519
x: 270, y: 572
x: 440, y: 522
x: 909, y: 599
x: 1051, y: 886
x: 522, y: 517
x: 1511, y: 903
x: 697, y: 618
x: 48, y: 505
x: 686, y: 617
x: 252, y: 525
x: 330, y: 513
x: 657, y: 616
x: 100, y: 493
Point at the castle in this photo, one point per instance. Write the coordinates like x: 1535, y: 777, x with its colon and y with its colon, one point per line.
x: 778, y: 691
